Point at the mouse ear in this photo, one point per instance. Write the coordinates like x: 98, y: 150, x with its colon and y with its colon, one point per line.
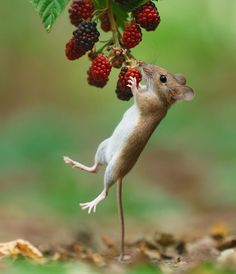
x: 184, y: 93
x: 180, y: 79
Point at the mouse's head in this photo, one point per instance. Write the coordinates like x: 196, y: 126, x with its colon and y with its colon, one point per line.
x: 168, y: 87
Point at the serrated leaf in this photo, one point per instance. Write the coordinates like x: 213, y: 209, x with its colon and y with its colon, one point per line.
x: 122, y: 12
x: 121, y: 15
x: 49, y: 10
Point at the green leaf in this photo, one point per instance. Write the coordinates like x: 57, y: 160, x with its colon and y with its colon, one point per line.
x: 99, y: 4
x: 122, y: 12
x: 49, y: 10
x: 133, y: 4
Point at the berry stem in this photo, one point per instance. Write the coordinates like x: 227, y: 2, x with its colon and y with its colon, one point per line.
x: 107, y: 43
x: 99, y: 12
x: 130, y: 59
x: 114, y: 27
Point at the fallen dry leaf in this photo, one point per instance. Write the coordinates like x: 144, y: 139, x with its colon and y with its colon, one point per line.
x: 20, y: 247
x: 109, y: 242
x: 98, y: 260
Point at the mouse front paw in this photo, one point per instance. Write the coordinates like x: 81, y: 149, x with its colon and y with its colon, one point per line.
x: 132, y: 84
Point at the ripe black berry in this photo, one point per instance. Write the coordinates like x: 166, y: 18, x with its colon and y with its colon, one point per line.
x: 86, y: 35
x: 123, y: 94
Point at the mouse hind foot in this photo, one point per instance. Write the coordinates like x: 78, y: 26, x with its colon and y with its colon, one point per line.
x: 74, y: 164
x: 91, y: 206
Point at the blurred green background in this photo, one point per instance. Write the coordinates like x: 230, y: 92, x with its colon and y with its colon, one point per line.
x: 185, y: 177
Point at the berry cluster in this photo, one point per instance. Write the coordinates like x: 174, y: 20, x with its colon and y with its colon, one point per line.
x: 116, y: 51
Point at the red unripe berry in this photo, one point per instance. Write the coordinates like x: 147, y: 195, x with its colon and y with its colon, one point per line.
x: 73, y: 51
x: 93, y: 82
x: 122, y: 91
x: 99, y: 71
x: 132, y: 35
x: 105, y: 22
x: 80, y: 10
x: 147, y: 16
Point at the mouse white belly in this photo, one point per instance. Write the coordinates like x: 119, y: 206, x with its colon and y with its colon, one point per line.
x: 122, y: 132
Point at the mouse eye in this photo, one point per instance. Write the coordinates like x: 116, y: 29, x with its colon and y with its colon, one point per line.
x: 163, y: 78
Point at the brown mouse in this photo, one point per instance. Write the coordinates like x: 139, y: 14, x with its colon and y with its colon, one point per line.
x: 122, y: 149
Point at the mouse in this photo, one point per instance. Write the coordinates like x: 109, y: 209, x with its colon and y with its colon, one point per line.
x: 121, y: 150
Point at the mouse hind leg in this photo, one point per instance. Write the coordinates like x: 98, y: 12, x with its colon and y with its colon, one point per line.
x: 99, y: 159
x: 91, y: 206
x: 74, y: 164
x: 100, y: 156
x: 108, y: 182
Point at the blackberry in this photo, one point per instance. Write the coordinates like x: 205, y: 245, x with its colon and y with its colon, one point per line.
x: 73, y: 51
x: 123, y: 94
x: 99, y: 71
x: 122, y: 91
x: 132, y: 36
x: 147, y: 16
x: 94, y: 82
x: 100, y: 68
x: 105, y: 22
x: 86, y: 35
x: 80, y: 10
